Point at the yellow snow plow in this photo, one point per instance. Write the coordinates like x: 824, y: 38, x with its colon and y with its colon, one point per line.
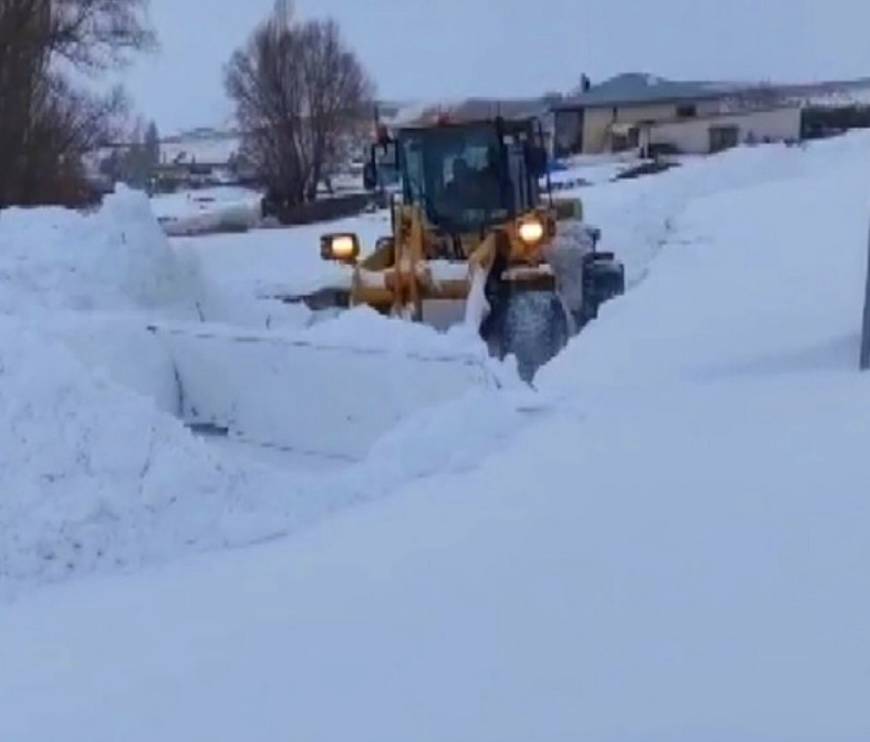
x: 477, y: 237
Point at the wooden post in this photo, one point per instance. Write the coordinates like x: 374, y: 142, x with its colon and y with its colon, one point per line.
x: 865, y: 335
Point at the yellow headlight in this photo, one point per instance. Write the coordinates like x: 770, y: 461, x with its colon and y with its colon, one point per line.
x: 342, y: 247
x: 531, y: 231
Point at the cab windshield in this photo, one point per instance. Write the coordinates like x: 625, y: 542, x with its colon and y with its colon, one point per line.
x: 457, y: 174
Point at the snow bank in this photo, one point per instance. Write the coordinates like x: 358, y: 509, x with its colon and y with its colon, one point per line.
x: 784, y: 228
x: 320, y: 399
x: 95, y: 473
x: 637, y: 217
x: 93, y: 476
x: 114, y: 259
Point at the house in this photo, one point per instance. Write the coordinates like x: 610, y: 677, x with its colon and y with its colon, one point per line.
x: 637, y: 110
x: 201, y: 157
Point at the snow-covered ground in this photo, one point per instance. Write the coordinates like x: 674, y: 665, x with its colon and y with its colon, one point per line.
x: 667, y: 540
x: 278, y: 261
x: 587, y: 170
x: 208, y: 210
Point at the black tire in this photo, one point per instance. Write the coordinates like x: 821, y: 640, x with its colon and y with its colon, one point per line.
x: 530, y: 325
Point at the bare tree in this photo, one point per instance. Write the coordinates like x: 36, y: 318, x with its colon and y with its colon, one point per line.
x: 152, y: 147
x: 93, y: 34
x: 47, y: 125
x: 299, y: 92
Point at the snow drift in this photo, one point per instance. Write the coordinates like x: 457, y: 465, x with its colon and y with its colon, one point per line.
x: 677, y: 550
x: 96, y: 471
x: 93, y: 476
x: 116, y: 258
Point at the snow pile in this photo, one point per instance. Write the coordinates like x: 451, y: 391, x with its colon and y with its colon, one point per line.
x: 773, y: 248
x: 637, y: 216
x: 95, y: 473
x: 116, y: 258
x: 95, y: 477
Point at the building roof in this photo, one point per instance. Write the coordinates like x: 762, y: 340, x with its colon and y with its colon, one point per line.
x: 480, y: 109
x: 637, y: 87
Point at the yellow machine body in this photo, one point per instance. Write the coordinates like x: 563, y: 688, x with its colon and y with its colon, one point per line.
x: 401, y: 273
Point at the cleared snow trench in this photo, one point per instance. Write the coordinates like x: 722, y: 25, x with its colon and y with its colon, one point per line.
x: 309, y: 397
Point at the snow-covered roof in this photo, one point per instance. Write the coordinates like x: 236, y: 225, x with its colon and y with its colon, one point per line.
x: 638, y: 87
x: 642, y: 88
x: 473, y: 109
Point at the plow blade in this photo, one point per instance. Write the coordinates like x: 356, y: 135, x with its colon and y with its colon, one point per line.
x: 305, y: 397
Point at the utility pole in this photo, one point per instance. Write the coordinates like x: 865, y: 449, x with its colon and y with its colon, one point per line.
x: 865, y: 335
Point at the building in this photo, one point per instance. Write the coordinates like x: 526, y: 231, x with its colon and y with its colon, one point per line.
x: 202, y: 157
x: 642, y: 111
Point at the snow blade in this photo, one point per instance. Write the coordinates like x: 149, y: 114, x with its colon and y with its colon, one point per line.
x: 317, y: 399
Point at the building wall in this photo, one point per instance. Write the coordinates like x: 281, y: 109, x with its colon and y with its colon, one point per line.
x: 567, y: 132
x: 692, y: 136
x: 598, y: 121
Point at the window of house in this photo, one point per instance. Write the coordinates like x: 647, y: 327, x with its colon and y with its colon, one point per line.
x: 687, y: 111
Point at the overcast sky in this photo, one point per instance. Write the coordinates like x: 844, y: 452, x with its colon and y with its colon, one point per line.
x: 446, y: 49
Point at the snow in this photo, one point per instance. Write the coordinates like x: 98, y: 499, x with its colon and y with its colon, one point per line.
x: 279, y: 261
x: 115, y: 259
x: 349, y: 385
x: 588, y: 170
x: 637, y: 216
x: 665, y: 540
x: 191, y: 203
x: 97, y: 472
x: 95, y: 477
x: 208, y: 210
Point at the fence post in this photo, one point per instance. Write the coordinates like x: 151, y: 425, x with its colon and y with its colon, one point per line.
x: 865, y: 334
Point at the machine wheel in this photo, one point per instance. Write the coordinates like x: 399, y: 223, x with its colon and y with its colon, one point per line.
x: 531, y: 325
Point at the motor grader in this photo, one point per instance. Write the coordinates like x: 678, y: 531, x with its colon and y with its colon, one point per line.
x: 478, y: 237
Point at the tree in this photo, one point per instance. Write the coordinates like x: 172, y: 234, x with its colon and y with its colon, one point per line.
x: 299, y: 91
x: 47, y: 124
x: 136, y: 168
x: 152, y: 147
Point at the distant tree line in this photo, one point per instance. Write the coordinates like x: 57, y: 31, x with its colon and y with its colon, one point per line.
x: 47, y: 123
x: 303, y: 101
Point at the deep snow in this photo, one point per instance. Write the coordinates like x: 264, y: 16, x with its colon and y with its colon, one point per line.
x: 97, y: 473
x: 666, y: 541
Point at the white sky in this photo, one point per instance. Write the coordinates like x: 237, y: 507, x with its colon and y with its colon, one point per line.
x: 445, y: 49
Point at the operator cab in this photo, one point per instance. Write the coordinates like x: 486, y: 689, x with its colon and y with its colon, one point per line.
x: 467, y: 176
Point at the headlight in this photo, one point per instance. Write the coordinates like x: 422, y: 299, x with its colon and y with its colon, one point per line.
x: 341, y: 247
x: 531, y: 231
